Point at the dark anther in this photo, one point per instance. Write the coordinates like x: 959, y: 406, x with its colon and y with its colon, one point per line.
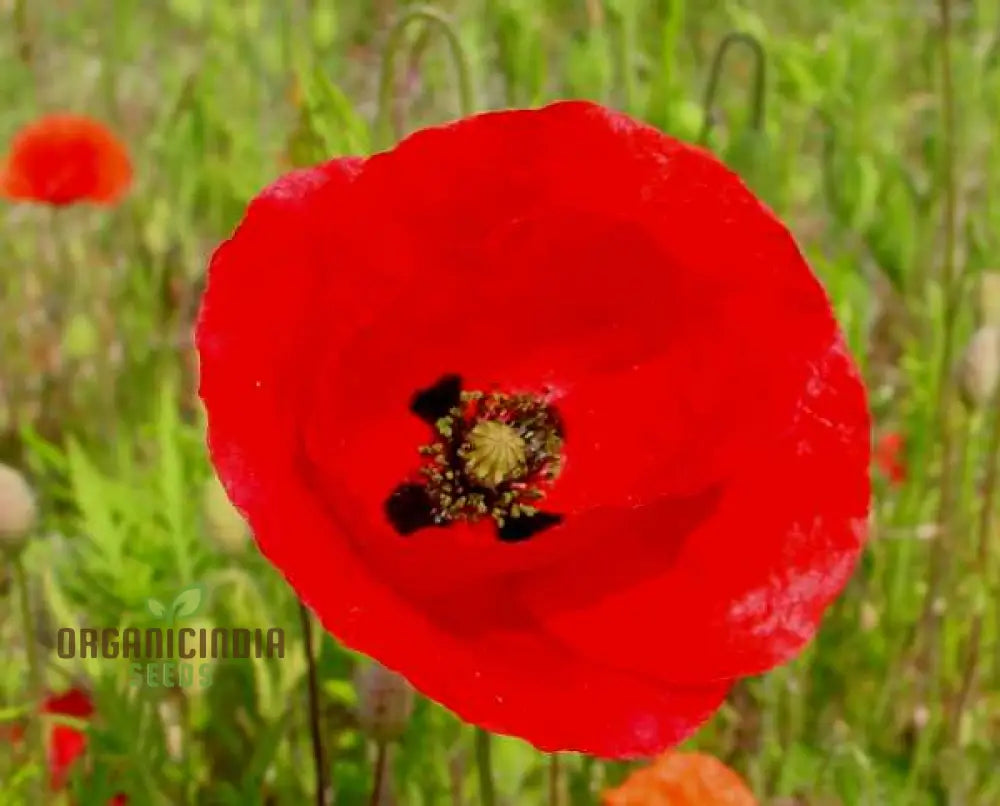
x: 408, y: 508
x: 434, y: 402
x: 514, y: 530
x: 560, y: 428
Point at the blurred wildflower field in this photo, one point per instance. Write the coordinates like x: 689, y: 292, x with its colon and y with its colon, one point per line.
x: 836, y: 114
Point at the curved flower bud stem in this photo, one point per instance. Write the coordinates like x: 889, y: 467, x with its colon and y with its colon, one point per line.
x: 383, y: 124
x: 715, y: 74
x: 484, y: 765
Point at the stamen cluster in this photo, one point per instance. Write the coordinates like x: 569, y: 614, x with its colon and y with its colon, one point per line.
x: 494, y: 456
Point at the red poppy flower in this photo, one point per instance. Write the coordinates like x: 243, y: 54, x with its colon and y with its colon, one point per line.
x: 63, y: 159
x: 682, y: 779
x: 544, y: 410
x: 65, y: 744
x: 889, y: 457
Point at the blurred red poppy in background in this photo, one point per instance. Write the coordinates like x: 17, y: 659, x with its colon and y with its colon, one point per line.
x: 64, y: 159
x: 890, y: 457
x: 682, y: 779
x: 545, y: 411
x: 65, y: 744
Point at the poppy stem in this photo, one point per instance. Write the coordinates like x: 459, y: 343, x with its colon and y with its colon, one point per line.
x: 434, y: 18
x: 973, y: 646
x: 951, y: 287
x: 35, y: 736
x: 314, y: 714
x: 555, y: 780
x: 381, y: 768
x: 484, y: 765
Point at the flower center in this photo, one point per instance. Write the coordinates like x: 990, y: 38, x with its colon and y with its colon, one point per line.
x: 495, y: 453
x: 492, y: 455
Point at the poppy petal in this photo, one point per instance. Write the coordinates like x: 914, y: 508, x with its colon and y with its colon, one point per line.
x: 254, y: 324
x: 73, y: 702
x: 66, y: 745
x: 744, y: 589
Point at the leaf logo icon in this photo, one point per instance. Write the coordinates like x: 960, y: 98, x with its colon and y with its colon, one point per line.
x: 187, y: 603
x: 155, y: 606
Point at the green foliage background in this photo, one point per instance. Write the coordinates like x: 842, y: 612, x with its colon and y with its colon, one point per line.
x: 898, y: 700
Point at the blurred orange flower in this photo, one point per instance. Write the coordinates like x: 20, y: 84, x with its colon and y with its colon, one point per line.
x: 682, y: 779
x: 64, y: 159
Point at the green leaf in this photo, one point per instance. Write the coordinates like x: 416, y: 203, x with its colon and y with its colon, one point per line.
x: 155, y: 606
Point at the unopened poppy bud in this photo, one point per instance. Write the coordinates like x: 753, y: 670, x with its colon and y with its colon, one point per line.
x: 17, y: 509
x: 980, y: 368
x: 223, y: 522
x: 385, y: 702
x: 989, y: 298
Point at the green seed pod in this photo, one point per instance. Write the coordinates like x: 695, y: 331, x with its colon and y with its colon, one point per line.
x: 18, y: 511
x: 223, y: 521
x: 385, y: 702
x: 979, y: 371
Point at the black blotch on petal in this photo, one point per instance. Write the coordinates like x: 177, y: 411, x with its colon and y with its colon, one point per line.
x: 434, y: 402
x: 408, y: 509
x: 514, y: 530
